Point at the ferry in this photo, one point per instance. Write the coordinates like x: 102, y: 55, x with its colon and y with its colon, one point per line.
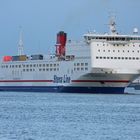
x: 100, y: 63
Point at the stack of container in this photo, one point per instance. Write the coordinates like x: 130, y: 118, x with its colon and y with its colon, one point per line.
x: 19, y: 58
x: 37, y: 57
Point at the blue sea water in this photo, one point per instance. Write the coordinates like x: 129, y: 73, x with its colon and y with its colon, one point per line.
x: 55, y: 116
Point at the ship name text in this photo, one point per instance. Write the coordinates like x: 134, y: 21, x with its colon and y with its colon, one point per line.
x: 63, y: 79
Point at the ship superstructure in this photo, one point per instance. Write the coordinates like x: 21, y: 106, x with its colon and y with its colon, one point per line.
x: 101, y: 63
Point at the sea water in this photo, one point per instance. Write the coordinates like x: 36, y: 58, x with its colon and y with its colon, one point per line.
x: 56, y: 116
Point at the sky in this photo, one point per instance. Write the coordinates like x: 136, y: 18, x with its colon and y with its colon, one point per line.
x: 41, y: 20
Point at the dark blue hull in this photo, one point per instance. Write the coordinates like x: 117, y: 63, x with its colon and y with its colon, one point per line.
x: 107, y: 90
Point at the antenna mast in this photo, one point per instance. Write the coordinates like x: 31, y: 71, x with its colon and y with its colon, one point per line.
x: 20, y: 44
x: 112, y: 25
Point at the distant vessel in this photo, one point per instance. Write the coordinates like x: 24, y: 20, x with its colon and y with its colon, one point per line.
x: 101, y: 63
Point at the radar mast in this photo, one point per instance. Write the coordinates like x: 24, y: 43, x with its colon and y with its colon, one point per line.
x: 112, y: 25
x: 20, y: 43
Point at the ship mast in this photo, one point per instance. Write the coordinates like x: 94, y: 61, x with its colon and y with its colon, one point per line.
x: 20, y: 44
x: 112, y: 26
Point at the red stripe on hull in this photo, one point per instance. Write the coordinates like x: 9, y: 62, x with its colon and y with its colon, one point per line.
x: 74, y: 81
x: 105, y: 81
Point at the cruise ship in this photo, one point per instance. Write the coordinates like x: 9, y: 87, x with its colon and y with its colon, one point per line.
x: 100, y: 63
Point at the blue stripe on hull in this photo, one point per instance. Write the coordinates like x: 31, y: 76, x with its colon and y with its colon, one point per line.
x: 113, y: 90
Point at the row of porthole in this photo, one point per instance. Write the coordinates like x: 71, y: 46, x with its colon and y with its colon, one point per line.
x: 82, y: 69
x: 51, y: 69
x: 30, y: 65
x: 116, y: 45
x: 118, y: 51
x: 122, y: 58
x: 80, y: 64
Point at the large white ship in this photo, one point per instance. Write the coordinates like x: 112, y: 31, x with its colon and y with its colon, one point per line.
x: 101, y: 63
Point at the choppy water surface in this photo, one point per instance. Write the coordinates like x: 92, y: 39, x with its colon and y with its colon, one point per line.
x: 47, y: 116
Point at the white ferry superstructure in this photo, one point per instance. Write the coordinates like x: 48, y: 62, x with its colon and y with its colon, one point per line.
x: 101, y: 63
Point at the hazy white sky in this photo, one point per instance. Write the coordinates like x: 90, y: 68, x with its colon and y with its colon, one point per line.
x: 42, y: 19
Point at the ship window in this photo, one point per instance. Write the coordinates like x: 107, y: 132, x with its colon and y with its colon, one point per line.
x: 82, y: 64
x: 50, y: 69
x: 108, y: 50
x: 138, y: 51
x: 133, y: 51
x: 111, y: 57
x: 107, y: 57
x: 54, y: 69
x: 23, y: 69
x: 43, y: 65
x: 47, y: 69
x: 126, y: 58
x: 78, y: 64
x: 86, y: 64
x: 86, y: 68
x: 34, y: 65
x: 31, y: 65
x: 40, y: 69
x: 40, y: 65
x: 128, y: 51
x: 98, y: 50
x: 133, y: 58
x: 12, y: 66
x: 129, y: 58
x: 82, y: 68
x: 118, y: 57
x: 43, y: 69
x: 47, y: 65
x: 54, y: 65
x: 113, y: 50
x: 27, y: 65
x: 97, y: 57
x: 30, y: 69
x: 78, y: 68
x: 104, y: 57
x: 115, y: 57
x: 137, y: 58
x: 57, y: 69
x: 50, y: 65
x: 27, y: 69
x: 122, y: 57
